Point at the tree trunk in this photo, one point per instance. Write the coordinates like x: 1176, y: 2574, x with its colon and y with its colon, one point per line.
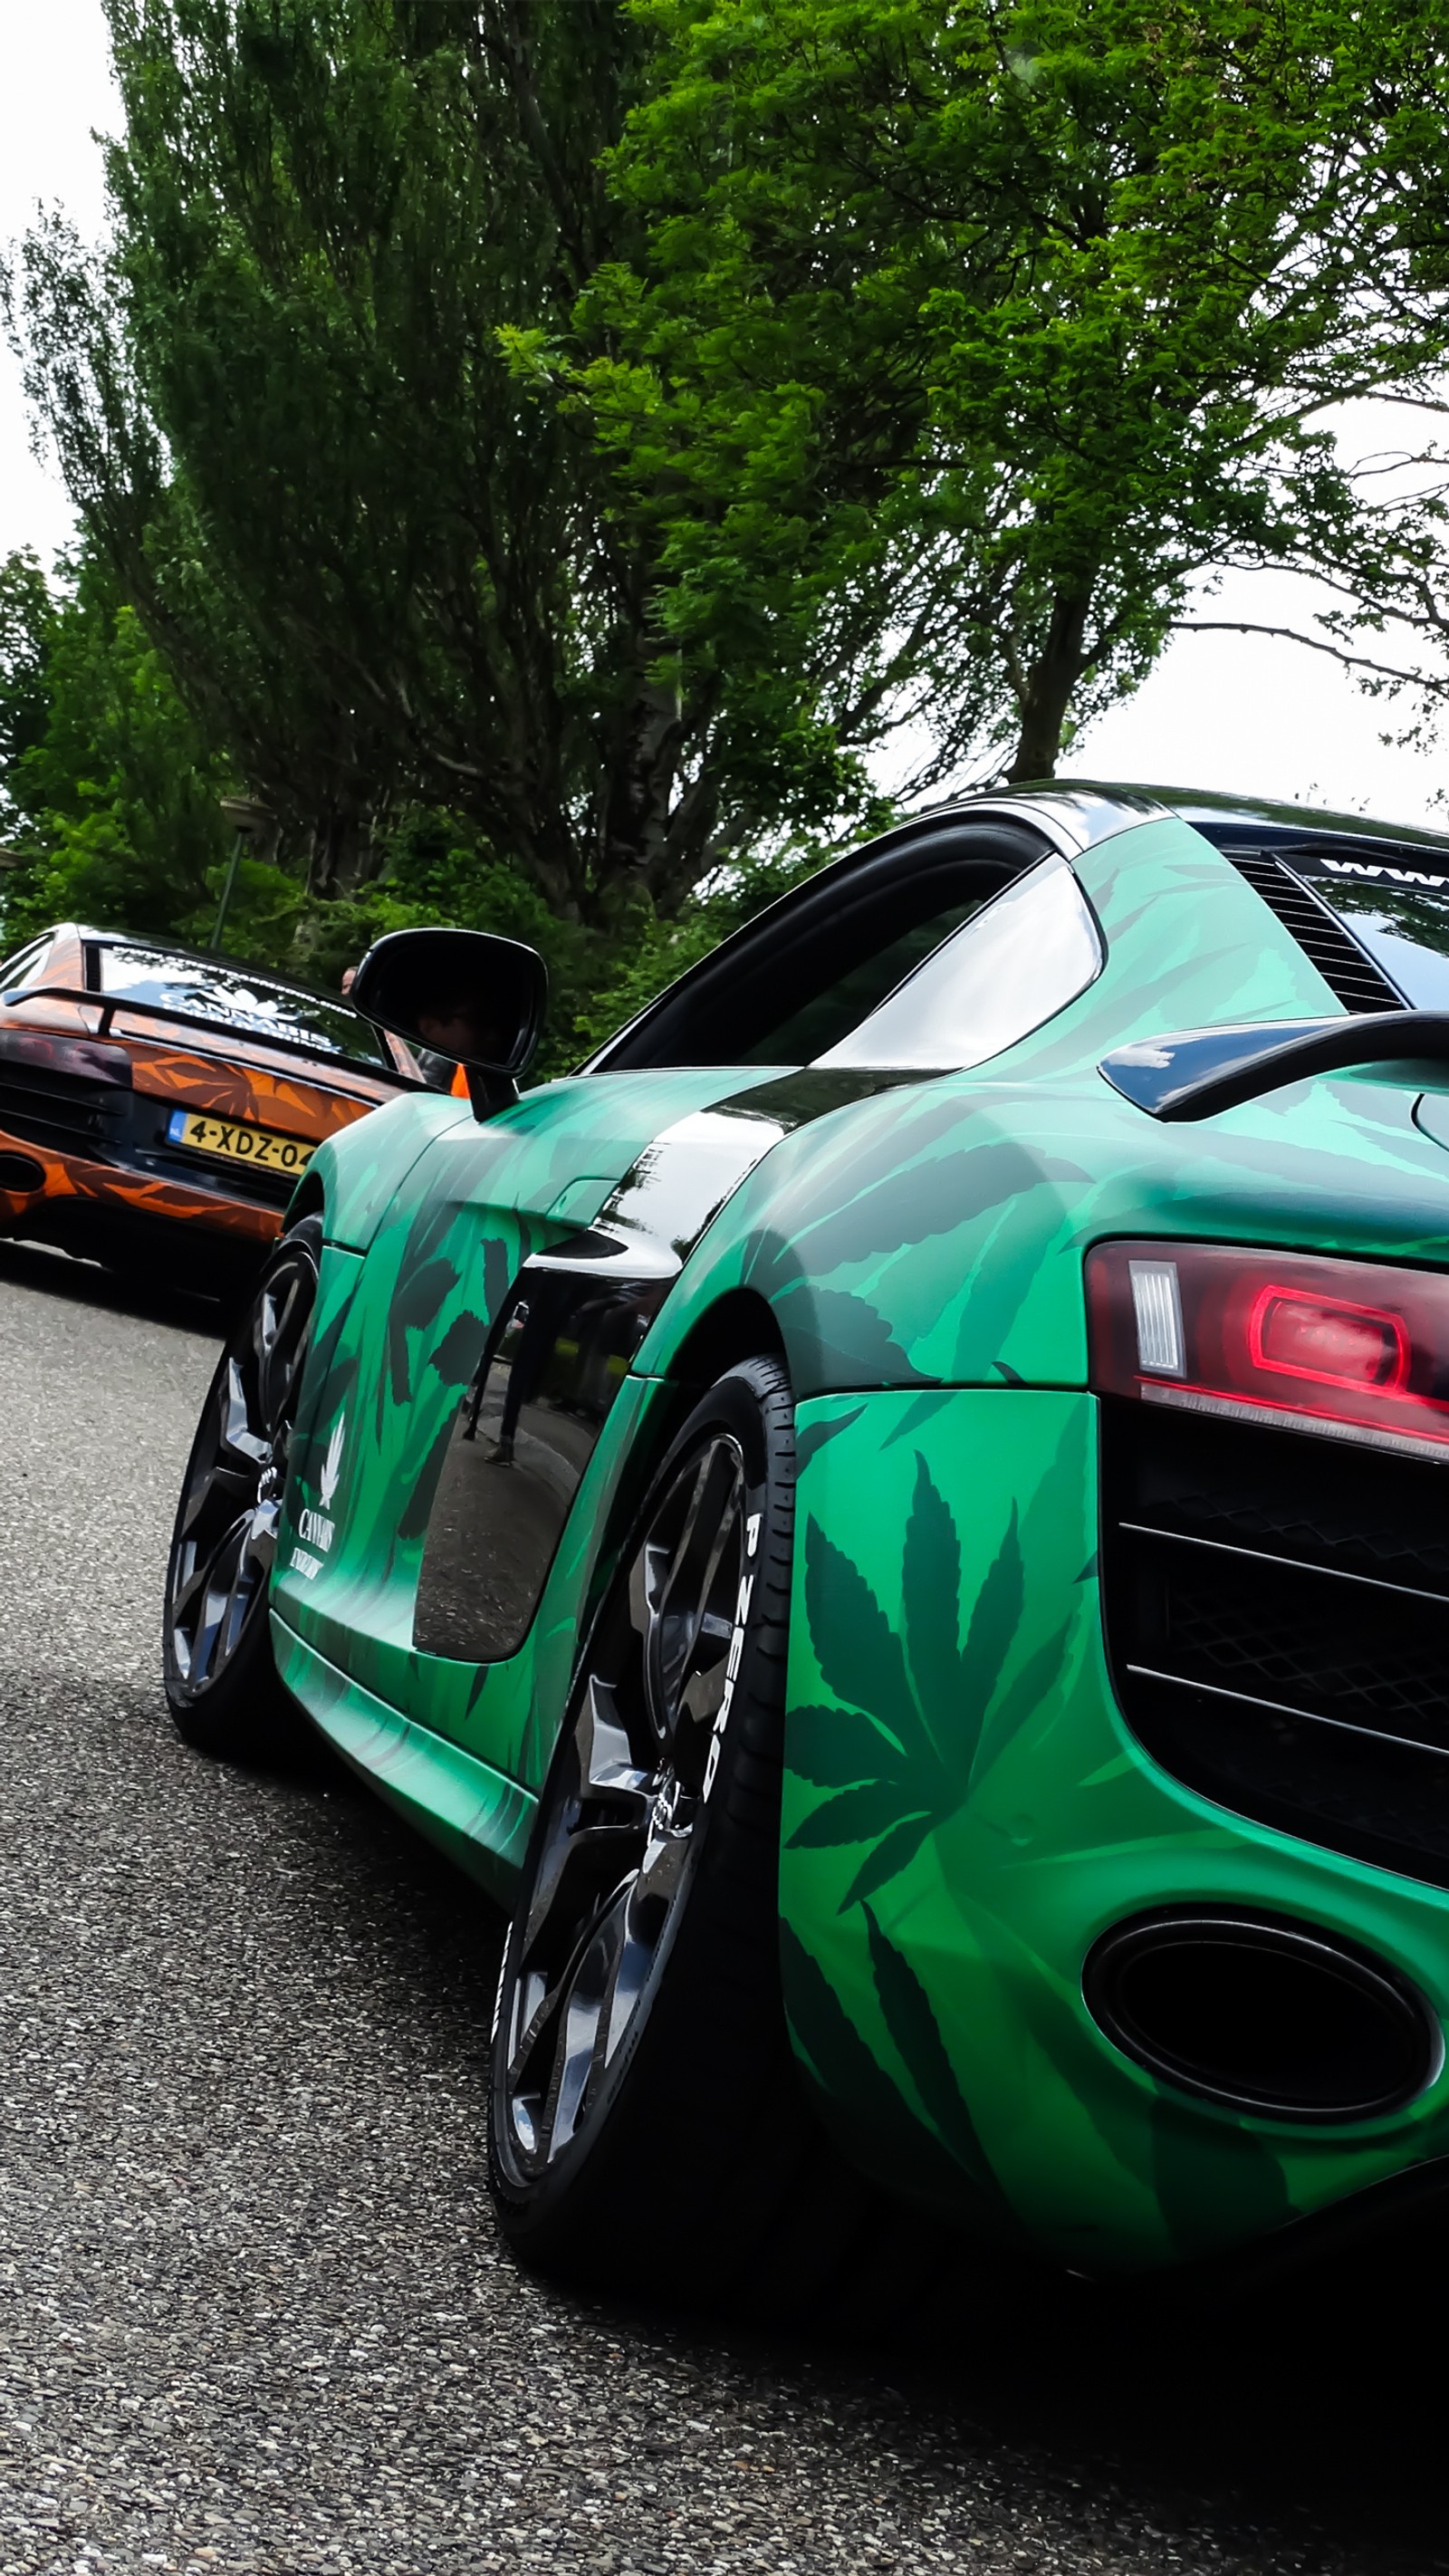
x: 545, y: 849
x: 332, y: 859
x: 639, y: 793
x: 1049, y: 685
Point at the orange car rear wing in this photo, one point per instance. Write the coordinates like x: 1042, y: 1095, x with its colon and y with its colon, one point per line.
x: 109, y: 1003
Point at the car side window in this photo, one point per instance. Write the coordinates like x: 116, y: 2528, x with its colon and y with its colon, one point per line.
x: 1014, y: 964
x: 19, y: 968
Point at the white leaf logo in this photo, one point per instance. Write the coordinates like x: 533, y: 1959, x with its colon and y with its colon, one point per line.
x: 332, y: 1465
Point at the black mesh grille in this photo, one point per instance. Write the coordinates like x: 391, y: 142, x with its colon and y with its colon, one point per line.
x: 48, y: 1107
x: 1277, y: 1613
x: 1347, y: 970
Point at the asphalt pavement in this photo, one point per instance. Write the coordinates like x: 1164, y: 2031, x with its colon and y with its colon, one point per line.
x: 253, y: 2313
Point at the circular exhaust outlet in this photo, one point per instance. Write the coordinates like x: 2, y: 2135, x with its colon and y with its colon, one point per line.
x: 1262, y: 2015
x: 21, y: 1172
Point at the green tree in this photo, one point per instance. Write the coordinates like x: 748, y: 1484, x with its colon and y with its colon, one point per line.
x: 111, y: 792
x: 985, y: 329
x: 614, y: 429
x: 287, y: 409
x: 27, y: 621
x: 110, y: 812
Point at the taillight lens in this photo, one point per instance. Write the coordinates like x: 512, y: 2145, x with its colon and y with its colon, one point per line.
x: 91, y: 1057
x: 1346, y: 1348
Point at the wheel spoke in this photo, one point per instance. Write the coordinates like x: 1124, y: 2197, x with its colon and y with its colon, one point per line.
x: 217, y: 1591
x: 703, y: 1692
x: 242, y: 1441
x: 584, y: 2027
x: 263, y: 1345
x: 708, y: 1625
x: 580, y: 1860
x: 660, y: 1878
x: 606, y: 1759
x: 541, y: 2002
x: 684, y: 1544
x: 226, y: 1465
x: 530, y: 2065
x: 277, y: 1344
x: 261, y: 1543
x: 195, y: 1571
x: 552, y: 2054
x: 687, y: 1613
x: 647, y: 1577
x: 568, y: 2022
x: 601, y: 1821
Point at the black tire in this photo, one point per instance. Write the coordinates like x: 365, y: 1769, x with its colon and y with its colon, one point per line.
x: 221, y: 1679
x: 648, y: 2132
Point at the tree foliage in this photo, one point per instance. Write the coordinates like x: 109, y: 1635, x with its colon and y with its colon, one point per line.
x: 27, y: 619
x: 552, y: 452
x: 111, y: 813
x: 384, y: 572
x: 110, y: 795
x: 1019, y: 316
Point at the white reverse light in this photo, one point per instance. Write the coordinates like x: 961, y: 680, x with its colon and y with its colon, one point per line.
x: 1158, y: 1308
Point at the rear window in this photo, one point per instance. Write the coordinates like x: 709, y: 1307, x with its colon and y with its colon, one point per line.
x: 235, y: 999
x: 1014, y: 965
x: 829, y: 1015
x: 1399, y: 914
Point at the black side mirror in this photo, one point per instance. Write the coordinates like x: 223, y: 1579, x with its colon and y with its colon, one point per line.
x: 459, y: 993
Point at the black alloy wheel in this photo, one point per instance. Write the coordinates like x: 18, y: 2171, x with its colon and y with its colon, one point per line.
x: 623, y: 1822
x: 642, y: 2081
x: 221, y: 1681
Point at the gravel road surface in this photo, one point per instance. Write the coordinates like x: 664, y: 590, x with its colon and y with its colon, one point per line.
x: 252, y: 2312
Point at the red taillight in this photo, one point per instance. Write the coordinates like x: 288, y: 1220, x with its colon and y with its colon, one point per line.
x: 1329, y: 1340
x: 1346, y: 1348
x: 61, y: 1053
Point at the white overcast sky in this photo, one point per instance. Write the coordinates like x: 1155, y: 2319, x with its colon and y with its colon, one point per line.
x: 1241, y: 713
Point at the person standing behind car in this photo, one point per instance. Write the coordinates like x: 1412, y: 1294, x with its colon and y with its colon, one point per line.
x: 443, y: 1072
x: 440, y: 1072
x: 450, y: 1021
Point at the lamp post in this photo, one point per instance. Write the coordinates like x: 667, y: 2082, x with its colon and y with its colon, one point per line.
x: 249, y: 822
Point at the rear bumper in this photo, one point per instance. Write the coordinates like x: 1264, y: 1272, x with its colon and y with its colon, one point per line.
x: 103, y: 1208
x: 937, y: 1926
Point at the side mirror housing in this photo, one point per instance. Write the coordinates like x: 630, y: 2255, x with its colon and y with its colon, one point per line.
x: 459, y: 993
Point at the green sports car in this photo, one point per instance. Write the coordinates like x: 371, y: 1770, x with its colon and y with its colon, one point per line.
x: 899, y: 1521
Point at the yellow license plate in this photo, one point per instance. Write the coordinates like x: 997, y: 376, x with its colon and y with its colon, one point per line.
x: 238, y: 1144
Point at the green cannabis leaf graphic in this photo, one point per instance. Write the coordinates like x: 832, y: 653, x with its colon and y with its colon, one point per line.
x: 916, y: 1716
x: 917, y: 2034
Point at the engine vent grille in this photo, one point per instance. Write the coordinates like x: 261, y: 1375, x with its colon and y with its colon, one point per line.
x: 46, y: 1106
x: 1277, y: 1612
x: 1347, y: 970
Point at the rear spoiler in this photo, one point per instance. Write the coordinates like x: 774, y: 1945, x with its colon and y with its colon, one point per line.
x: 1193, y: 1073
x: 109, y: 1003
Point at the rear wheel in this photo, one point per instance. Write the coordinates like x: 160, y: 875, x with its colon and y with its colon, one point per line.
x: 221, y: 1680
x: 648, y: 2131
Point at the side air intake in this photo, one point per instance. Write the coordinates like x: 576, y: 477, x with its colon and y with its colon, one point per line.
x: 1347, y: 970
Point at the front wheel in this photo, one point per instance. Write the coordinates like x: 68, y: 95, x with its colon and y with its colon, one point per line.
x: 647, y: 2131
x: 221, y: 1681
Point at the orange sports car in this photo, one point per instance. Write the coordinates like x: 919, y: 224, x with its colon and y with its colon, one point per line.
x: 151, y: 1095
